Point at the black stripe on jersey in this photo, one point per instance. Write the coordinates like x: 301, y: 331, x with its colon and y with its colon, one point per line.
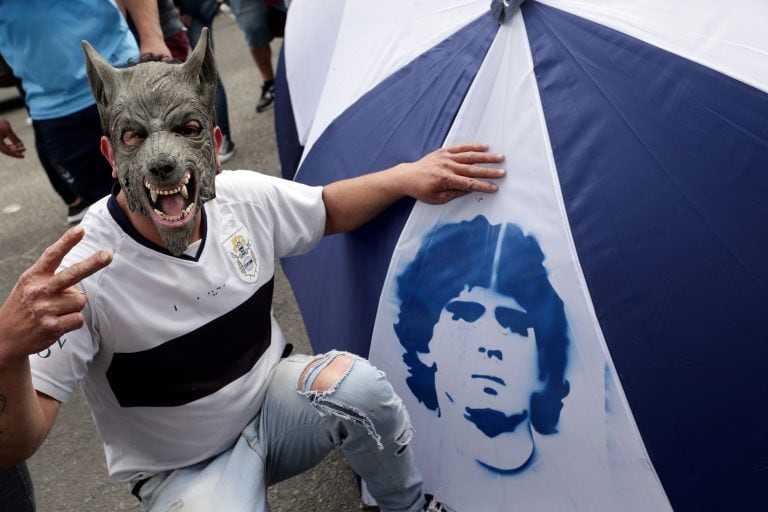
x: 198, y: 363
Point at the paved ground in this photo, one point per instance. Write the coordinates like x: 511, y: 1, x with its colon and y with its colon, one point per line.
x: 69, y: 471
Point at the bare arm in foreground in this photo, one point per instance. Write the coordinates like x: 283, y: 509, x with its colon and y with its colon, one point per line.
x: 439, y: 177
x: 43, y: 305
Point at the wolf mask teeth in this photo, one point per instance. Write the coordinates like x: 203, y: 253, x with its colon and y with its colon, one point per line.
x: 160, y: 122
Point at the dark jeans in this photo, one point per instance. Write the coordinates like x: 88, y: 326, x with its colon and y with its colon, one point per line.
x: 16, y: 492
x: 71, y: 144
x: 220, y: 100
x: 57, y: 182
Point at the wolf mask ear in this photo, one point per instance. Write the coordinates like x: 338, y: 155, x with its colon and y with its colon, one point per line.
x: 101, y: 77
x: 201, y: 68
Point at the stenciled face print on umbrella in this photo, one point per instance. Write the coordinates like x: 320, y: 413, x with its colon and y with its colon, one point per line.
x: 485, y: 339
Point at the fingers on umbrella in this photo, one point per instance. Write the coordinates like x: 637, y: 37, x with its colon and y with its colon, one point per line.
x: 477, y: 157
x: 478, y: 171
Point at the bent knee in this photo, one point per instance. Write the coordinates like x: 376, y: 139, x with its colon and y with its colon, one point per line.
x: 323, y: 373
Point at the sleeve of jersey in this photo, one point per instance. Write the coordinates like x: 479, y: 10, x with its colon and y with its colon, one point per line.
x: 58, y: 370
x: 296, y: 211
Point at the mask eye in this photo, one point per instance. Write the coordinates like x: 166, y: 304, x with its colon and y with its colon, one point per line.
x: 189, y: 129
x: 467, y: 311
x: 514, y: 320
x: 133, y: 137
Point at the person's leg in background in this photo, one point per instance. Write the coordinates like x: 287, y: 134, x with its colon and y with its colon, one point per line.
x: 195, y: 22
x: 227, y: 149
x: 262, y: 56
x: 71, y: 145
x: 76, y: 208
x: 16, y: 491
x: 253, y: 19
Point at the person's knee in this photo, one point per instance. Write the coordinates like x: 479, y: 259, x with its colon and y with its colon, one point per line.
x: 322, y: 374
x: 351, y: 389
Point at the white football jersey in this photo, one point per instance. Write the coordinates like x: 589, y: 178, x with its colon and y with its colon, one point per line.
x: 176, y: 351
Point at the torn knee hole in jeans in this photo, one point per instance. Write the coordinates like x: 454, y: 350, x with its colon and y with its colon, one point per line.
x: 319, y: 381
x: 324, y: 374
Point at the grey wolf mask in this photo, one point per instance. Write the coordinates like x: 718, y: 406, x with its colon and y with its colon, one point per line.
x: 160, y: 122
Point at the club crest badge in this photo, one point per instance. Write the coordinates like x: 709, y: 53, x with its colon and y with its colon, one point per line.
x: 242, y: 256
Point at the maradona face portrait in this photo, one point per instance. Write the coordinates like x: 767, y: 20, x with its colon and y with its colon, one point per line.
x: 485, y: 338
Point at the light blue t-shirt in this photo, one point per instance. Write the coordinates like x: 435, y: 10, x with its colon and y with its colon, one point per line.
x: 40, y: 40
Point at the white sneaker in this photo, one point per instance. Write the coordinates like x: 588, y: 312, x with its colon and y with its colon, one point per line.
x: 76, y: 213
x: 227, y: 149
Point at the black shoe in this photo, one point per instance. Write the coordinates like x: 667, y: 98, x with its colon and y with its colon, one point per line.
x: 76, y: 212
x: 267, y: 96
x: 432, y: 505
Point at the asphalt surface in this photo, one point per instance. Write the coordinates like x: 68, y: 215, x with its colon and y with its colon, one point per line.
x: 69, y: 471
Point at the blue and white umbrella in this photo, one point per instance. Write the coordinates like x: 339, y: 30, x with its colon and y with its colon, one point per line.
x: 594, y: 336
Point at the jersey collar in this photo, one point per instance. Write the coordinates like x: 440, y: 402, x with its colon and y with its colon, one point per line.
x: 122, y: 220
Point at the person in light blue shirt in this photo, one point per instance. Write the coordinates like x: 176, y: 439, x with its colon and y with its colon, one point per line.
x: 40, y: 40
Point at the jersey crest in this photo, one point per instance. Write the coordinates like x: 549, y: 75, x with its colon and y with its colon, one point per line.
x: 242, y: 256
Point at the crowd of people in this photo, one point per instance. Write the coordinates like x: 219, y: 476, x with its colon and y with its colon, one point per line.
x: 215, y: 432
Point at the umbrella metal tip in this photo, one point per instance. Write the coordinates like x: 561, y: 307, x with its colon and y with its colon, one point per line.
x: 502, y: 10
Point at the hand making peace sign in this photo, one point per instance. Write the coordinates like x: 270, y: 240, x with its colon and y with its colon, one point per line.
x: 44, y: 304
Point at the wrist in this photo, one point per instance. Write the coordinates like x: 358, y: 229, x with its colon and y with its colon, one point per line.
x: 399, y: 181
x: 9, y: 358
x: 12, y: 362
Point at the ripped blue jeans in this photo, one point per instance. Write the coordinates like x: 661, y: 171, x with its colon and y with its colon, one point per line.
x: 296, y: 427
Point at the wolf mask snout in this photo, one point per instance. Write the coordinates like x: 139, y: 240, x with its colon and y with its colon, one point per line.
x: 162, y: 169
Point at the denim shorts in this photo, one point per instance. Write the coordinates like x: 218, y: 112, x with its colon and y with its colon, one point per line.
x: 251, y: 16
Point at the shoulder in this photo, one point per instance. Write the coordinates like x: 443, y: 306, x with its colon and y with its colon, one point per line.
x: 242, y: 176
x: 252, y: 186
x: 233, y: 178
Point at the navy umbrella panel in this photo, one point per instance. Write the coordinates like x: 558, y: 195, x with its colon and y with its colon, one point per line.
x: 662, y: 168
x: 662, y: 164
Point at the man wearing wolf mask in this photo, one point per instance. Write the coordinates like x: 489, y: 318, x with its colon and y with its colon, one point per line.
x: 159, y: 304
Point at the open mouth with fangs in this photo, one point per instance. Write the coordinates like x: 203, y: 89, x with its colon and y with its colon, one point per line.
x: 172, y: 205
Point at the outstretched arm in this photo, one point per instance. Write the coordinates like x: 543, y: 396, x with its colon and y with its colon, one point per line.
x: 437, y: 178
x: 43, y: 305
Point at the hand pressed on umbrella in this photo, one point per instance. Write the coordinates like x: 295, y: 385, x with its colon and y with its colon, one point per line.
x: 452, y: 172
x: 437, y: 178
